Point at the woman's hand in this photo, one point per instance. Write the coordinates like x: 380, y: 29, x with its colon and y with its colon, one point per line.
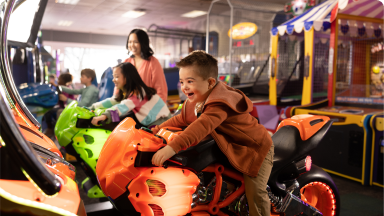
x: 63, y: 97
x: 96, y: 119
x: 162, y: 155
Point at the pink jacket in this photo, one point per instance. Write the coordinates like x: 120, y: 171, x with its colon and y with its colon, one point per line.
x: 153, y: 76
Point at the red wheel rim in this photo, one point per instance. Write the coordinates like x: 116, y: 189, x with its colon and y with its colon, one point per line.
x: 320, y: 196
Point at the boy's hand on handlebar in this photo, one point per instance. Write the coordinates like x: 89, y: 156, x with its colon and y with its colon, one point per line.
x: 63, y: 97
x: 162, y: 155
x: 155, y: 130
x: 96, y: 119
x: 52, y: 83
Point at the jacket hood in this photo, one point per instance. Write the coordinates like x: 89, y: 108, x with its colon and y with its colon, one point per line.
x: 233, y: 98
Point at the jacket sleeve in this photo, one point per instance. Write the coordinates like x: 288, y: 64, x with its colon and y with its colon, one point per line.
x: 106, y: 103
x: 208, y: 121
x: 175, y: 121
x: 158, y: 81
x: 122, y: 108
x: 72, y: 91
x: 87, y: 97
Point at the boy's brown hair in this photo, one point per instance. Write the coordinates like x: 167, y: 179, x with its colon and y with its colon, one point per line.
x: 205, y: 63
x: 89, y: 73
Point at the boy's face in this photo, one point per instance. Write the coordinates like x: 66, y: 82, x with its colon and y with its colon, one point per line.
x: 194, y: 86
x: 119, y: 79
x: 85, y: 80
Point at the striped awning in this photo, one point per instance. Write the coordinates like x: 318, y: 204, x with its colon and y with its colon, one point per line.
x: 321, y: 16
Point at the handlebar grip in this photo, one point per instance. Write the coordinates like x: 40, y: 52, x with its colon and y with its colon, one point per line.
x: 58, y: 89
x: 102, y: 122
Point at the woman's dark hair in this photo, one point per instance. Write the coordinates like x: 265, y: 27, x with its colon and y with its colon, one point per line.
x: 143, y: 38
x: 134, y: 83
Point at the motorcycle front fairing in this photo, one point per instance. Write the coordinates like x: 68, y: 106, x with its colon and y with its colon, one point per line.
x: 148, y: 189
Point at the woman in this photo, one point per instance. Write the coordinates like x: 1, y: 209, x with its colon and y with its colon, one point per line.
x: 146, y: 64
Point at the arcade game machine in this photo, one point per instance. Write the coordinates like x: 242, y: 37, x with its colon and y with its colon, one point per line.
x: 34, y: 178
x: 26, y: 62
x: 377, y: 162
x: 354, y: 93
x: 377, y: 120
x: 286, y: 79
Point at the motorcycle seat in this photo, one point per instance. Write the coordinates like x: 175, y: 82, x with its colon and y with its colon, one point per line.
x: 202, y: 155
x: 290, y: 147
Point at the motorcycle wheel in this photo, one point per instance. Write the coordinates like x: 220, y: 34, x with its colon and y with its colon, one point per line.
x: 321, y: 195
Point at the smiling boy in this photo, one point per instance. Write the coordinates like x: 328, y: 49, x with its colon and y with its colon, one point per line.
x: 215, y: 109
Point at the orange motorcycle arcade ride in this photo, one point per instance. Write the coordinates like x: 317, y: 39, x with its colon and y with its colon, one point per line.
x: 201, y: 181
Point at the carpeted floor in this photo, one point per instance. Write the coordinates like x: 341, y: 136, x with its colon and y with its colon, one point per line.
x: 359, y: 200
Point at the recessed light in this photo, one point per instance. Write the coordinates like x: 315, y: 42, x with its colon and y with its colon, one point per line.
x: 194, y: 13
x: 134, y: 14
x: 72, y: 2
x: 64, y: 23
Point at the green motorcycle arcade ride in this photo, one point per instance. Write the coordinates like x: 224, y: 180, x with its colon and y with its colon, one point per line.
x: 83, y: 140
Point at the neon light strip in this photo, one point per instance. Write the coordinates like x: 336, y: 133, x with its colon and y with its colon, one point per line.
x: 2, y: 142
x: 21, y: 116
x: 377, y: 184
x: 34, y: 184
x: 34, y: 204
x: 342, y: 175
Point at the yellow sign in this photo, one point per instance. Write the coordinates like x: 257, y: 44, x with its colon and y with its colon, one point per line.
x: 243, y: 30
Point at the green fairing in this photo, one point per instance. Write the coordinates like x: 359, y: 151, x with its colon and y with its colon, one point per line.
x: 87, y: 142
x: 94, y: 192
x: 65, y: 127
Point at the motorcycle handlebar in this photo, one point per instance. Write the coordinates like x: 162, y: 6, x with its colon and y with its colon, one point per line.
x: 60, y: 91
x: 101, y: 123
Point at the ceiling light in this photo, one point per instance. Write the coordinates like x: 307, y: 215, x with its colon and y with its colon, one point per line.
x: 72, y: 2
x: 134, y: 14
x: 194, y: 13
x: 65, y: 23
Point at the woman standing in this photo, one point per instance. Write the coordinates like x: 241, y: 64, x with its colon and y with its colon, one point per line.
x: 146, y: 64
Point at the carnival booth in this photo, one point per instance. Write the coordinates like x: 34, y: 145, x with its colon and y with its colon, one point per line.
x: 348, y: 71
x: 243, y: 45
x: 244, y: 53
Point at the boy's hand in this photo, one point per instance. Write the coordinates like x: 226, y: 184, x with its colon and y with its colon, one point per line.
x: 155, y: 130
x: 162, y: 155
x: 52, y: 82
x: 96, y: 119
x: 63, y: 97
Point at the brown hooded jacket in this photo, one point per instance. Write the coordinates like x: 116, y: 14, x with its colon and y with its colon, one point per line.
x: 225, y: 116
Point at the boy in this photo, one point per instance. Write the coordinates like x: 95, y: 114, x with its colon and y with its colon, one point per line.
x: 89, y: 94
x: 52, y: 80
x: 212, y: 108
